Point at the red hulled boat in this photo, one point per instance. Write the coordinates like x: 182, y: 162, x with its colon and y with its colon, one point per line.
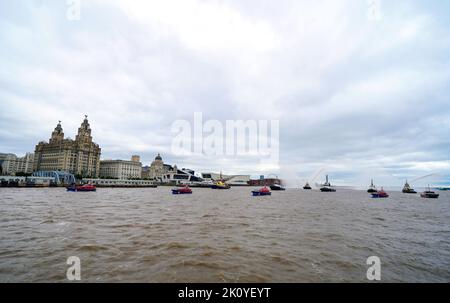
x: 265, y: 191
x: 182, y: 191
x: 82, y: 188
x: 380, y: 194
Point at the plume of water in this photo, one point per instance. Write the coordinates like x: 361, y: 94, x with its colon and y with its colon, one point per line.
x: 424, y: 177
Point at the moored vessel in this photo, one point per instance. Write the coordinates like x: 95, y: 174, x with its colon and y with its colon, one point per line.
x: 380, y: 194
x: 326, y: 187
x: 182, y: 191
x: 429, y: 194
x: 81, y: 188
x: 277, y: 187
x: 265, y: 191
x: 307, y: 186
x: 407, y: 189
x: 372, y: 188
x: 220, y: 185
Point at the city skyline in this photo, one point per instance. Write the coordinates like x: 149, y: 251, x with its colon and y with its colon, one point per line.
x: 358, y: 97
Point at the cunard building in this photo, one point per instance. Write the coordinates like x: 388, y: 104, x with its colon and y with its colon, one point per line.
x: 80, y: 156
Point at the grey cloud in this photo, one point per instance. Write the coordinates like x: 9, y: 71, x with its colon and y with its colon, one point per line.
x: 351, y: 95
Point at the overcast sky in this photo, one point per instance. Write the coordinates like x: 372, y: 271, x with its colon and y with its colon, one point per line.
x: 358, y: 95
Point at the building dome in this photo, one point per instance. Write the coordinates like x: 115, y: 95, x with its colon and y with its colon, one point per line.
x: 158, y: 157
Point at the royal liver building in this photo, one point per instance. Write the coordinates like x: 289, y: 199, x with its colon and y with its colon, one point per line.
x: 80, y: 156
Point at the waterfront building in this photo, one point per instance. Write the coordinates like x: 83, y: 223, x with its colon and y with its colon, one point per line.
x: 264, y: 182
x: 80, y: 156
x: 233, y: 180
x: 121, y: 169
x: 14, y: 181
x: 10, y: 164
x: 180, y: 176
x: 145, y: 172
x: 158, y: 169
x: 119, y: 183
x: 168, y: 174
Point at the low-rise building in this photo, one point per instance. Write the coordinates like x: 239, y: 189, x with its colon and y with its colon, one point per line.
x: 121, y: 169
x: 119, y: 183
x: 11, y: 165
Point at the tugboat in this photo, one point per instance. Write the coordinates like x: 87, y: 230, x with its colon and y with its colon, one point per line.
x: 407, y: 189
x: 182, y: 191
x: 220, y: 185
x: 307, y: 186
x: 277, y: 187
x: 265, y: 191
x: 429, y: 194
x: 372, y: 189
x: 380, y: 194
x: 326, y: 187
x: 82, y: 188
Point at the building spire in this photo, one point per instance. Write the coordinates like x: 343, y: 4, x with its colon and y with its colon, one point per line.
x: 84, y: 131
x: 58, y: 128
x: 57, y: 134
x: 85, y: 125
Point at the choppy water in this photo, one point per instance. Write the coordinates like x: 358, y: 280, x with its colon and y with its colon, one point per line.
x: 148, y: 235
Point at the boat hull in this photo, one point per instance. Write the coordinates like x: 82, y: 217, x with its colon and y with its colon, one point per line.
x: 277, y: 188
x: 377, y: 196
x: 181, y: 192
x: 430, y: 196
x: 220, y: 186
x: 327, y: 190
x: 258, y: 193
x: 81, y: 189
x: 409, y: 191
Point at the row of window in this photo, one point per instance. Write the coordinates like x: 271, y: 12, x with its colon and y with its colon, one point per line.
x: 115, y: 182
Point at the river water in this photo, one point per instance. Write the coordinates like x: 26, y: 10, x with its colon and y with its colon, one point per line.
x: 149, y: 235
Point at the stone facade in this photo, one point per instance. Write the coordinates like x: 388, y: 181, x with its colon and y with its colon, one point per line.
x: 80, y: 156
x: 158, y: 169
x: 10, y: 164
x: 121, y: 169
